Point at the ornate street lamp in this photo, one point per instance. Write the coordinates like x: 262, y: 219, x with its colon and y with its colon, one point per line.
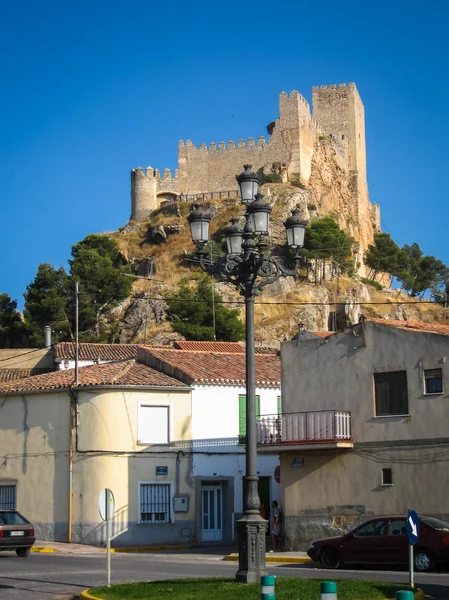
x: 248, y: 184
x: 248, y: 267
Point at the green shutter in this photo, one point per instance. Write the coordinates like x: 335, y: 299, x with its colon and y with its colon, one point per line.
x: 279, y: 406
x: 242, y: 416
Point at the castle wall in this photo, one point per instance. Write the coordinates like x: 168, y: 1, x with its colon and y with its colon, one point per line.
x: 205, y: 169
x: 326, y: 153
x: 143, y: 193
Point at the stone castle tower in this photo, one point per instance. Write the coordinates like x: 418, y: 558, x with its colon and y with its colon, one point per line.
x: 294, y: 149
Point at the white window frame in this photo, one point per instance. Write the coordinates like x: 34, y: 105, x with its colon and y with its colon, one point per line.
x: 169, y: 406
x: 426, y: 393
x: 382, y: 477
x: 171, y: 508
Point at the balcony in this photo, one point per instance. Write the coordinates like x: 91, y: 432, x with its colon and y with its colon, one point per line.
x: 304, y: 431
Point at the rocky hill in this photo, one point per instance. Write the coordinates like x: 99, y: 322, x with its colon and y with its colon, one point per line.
x: 161, y: 247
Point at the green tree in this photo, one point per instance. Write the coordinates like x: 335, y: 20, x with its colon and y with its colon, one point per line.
x: 99, y: 267
x: 13, y: 331
x: 385, y: 256
x: 425, y: 272
x: 325, y: 241
x: 191, y: 313
x: 46, y: 304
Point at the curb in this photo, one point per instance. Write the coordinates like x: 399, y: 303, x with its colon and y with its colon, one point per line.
x: 42, y: 549
x: 148, y: 549
x: 86, y: 596
x: 274, y: 559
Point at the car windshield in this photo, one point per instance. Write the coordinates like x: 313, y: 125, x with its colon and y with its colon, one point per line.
x: 435, y: 524
x: 12, y: 518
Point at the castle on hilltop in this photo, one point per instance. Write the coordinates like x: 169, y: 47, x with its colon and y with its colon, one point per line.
x: 331, y: 144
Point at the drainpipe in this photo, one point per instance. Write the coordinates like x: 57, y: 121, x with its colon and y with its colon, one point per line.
x: 72, y: 396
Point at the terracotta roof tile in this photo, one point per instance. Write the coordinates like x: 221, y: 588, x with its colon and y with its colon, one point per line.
x: 213, y: 367
x: 411, y: 325
x: 87, y: 351
x: 119, y: 373
x: 14, y: 374
x: 323, y: 334
x: 227, y: 347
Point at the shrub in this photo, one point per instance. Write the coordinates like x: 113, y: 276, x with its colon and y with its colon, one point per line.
x: 374, y: 284
x: 272, y: 178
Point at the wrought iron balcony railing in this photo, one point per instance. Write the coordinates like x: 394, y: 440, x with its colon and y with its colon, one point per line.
x: 296, y: 428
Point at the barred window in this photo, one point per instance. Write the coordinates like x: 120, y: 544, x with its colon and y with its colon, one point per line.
x: 7, y: 497
x: 433, y: 381
x: 155, y: 501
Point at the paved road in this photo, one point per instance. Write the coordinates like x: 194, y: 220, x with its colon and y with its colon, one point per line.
x: 60, y: 577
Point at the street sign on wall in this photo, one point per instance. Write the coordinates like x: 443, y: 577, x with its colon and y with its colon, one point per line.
x: 277, y: 474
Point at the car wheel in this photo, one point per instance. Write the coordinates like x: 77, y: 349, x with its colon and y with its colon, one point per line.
x: 22, y: 552
x: 329, y: 558
x: 423, y: 560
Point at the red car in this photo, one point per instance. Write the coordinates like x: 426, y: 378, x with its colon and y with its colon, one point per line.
x: 16, y: 533
x: 384, y: 541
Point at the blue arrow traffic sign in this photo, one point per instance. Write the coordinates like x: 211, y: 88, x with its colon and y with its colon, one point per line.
x: 412, y: 527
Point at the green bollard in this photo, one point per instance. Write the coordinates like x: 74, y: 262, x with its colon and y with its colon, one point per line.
x: 268, y: 591
x: 405, y: 595
x: 328, y: 590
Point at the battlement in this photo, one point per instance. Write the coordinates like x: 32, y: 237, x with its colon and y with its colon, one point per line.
x: 151, y: 173
x: 333, y: 86
x: 213, y: 146
x: 294, y: 95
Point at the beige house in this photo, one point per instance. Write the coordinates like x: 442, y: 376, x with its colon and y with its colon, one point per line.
x: 364, y: 428
x: 61, y: 444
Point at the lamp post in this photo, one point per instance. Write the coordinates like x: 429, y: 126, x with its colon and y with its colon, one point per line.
x: 247, y: 266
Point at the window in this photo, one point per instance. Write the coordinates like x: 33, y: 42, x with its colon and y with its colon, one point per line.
x: 397, y: 527
x: 8, y: 497
x: 155, y: 502
x: 372, y: 528
x: 433, y: 379
x: 390, y: 391
x: 154, y: 424
x: 387, y: 476
x: 242, y: 414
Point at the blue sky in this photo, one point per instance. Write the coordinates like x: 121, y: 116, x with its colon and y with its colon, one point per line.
x: 93, y: 89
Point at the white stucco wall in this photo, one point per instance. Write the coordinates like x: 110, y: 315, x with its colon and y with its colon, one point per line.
x: 215, y: 418
x: 215, y: 409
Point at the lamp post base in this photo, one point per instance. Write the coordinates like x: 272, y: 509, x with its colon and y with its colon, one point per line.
x: 251, y: 529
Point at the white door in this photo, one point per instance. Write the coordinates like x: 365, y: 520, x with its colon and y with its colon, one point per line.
x: 211, y: 517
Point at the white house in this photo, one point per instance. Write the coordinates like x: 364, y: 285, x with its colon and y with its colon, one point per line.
x: 215, y: 371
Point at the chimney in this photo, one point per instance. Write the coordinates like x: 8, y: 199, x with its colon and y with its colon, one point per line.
x: 47, y: 336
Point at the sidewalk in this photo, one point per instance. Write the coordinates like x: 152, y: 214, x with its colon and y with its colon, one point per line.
x: 297, y: 558
x: 224, y: 551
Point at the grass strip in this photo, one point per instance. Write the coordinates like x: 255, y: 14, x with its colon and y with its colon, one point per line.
x: 227, y: 589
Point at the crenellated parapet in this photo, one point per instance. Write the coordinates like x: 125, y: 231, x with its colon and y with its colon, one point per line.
x: 220, y: 146
x: 149, y: 189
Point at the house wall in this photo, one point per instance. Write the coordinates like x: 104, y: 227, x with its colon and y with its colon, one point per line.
x: 217, y: 454
x: 34, y: 455
x: 337, y: 488
x: 338, y: 374
x: 24, y: 358
x: 109, y: 455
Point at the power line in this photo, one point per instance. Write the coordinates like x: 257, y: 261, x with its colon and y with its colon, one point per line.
x: 23, y: 354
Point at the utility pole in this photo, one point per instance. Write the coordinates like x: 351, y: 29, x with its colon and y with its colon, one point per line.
x: 76, y: 331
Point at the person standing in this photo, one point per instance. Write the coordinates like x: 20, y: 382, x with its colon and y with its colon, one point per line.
x: 275, y: 524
